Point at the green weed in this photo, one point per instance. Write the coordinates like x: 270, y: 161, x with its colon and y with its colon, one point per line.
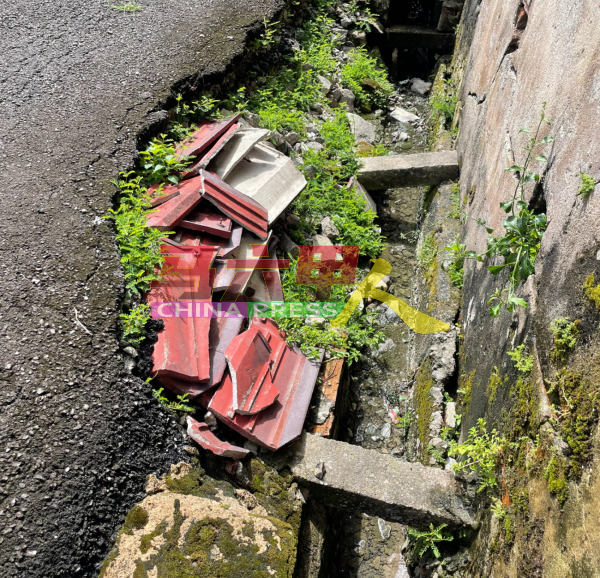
x: 427, y: 251
x: 424, y: 541
x: 455, y: 200
x: 268, y: 36
x: 523, y: 363
x: 565, y: 335
x: 139, y: 246
x: 159, y: 162
x: 481, y: 450
x: 456, y: 268
x: 179, y: 405
x: 592, y: 291
x: 367, y: 79
x: 134, y: 324
x: 588, y: 184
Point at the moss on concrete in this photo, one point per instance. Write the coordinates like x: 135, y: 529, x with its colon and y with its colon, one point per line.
x: 493, y: 383
x: 465, y: 388
x: 423, y: 403
x: 555, y: 474
x: 592, y: 291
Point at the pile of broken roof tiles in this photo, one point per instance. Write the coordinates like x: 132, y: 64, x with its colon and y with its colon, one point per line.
x: 236, y: 186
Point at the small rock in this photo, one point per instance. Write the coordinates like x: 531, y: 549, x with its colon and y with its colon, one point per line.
x: 306, y: 66
x: 292, y: 219
x: 277, y: 138
x: 435, y: 424
x: 358, y: 37
x: 325, y: 84
x: 210, y: 420
x: 321, y: 241
x: 329, y: 229
x: 310, y: 171
x: 420, y: 86
x: 252, y: 119
x: 402, y: 137
x: 315, y: 146
x: 292, y: 138
x: 449, y: 463
x: 320, y: 470
x: 345, y: 21
x: 402, y: 115
x: 154, y: 485
x: 334, y: 95
x: 386, y: 430
x: 362, y: 129
x: 251, y: 446
x: 347, y: 97
x: 130, y: 351
x: 129, y: 364
x: 191, y: 450
x: 317, y: 107
x: 451, y: 414
x: 376, y: 563
x: 439, y: 444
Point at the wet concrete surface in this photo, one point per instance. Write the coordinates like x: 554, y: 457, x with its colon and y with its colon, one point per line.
x: 80, y: 81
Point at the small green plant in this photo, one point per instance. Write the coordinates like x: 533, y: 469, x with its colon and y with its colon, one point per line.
x: 445, y: 104
x: 498, y: 510
x: 378, y: 150
x: 127, y: 6
x: 481, y: 450
x: 592, y: 291
x: 455, y: 200
x: 557, y: 481
x: 366, y: 78
x: 404, y: 421
x: 520, y: 243
x: 134, y: 324
x: 523, y: 363
x: 139, y: 246
x: 565, y: 335
x: 365, y: 20
x: 428, y: 540
x: 160, y: 163
x: 588, y: 184
x: 456, y: 268
x: 427, y: 251
x: 268, y: 36
x: 179, y: 405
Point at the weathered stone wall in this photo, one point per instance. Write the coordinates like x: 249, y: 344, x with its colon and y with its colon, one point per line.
x: 511, y: 58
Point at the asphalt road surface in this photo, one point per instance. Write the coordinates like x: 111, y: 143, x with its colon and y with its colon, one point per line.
x: 79, y: 81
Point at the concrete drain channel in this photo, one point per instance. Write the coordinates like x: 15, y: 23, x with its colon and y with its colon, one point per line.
x: 291, y: 442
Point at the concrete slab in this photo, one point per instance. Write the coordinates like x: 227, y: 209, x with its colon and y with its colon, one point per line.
x: 419, y: 37
x: 378, y: 484
x: 408, y: 170
x: 236, y: 149
x: 269, y: 177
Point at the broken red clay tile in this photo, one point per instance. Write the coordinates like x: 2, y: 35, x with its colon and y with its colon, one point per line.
x: 209, y: 153
x: 169, y: 213
x: 292, y: 374
x: 248, y: 356
x: 160, y: 197
x: 226, y: 246
x: 235, y: 205
x: 208, y: 132
x: 222, y: 331
x: 240, y: 208
x: 182, y: 349
x: 207, y: 221
x: 199, y: 432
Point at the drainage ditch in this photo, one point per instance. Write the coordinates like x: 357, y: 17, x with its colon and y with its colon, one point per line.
x: 333, y: 542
